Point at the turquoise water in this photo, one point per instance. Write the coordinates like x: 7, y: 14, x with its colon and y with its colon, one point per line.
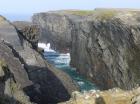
x: 61, y: 61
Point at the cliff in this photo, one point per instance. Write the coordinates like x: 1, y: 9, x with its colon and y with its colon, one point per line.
x: 104, y: 44
x: 56, y: 29
x: 42, y: 82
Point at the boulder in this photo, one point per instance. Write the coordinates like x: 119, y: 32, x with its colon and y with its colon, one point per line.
x: 112, y: 96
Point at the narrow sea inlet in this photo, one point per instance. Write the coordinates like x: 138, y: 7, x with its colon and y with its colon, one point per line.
x: 61, y: 61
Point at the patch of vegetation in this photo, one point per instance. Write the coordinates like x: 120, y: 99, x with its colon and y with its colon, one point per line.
x: 2, y: 63
x: 106, y: 15
x: 80, y: 12
x: 18, y: 94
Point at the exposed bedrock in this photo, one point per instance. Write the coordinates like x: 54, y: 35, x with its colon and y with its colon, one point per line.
x: 46, y: 83
x: 29, y: 31
x: 8, y: 33
x: 13, y: 78
x: 111, y: 96
x: 104, y: 43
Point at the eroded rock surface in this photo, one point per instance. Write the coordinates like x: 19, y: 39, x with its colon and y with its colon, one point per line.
x: 8, y: 33
x: 13, y: 78
x: 104, y: 48
x: 29, y: 30
x: 104, y: 43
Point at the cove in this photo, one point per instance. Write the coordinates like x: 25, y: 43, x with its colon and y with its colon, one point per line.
x: 62, y: 62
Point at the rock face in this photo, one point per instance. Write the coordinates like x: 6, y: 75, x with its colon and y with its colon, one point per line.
x: 104, y: 43
x: 28, y: 30
x: 12, y: 78
x: 56, y: 29
x: 8, y: 33
x: 57, y: 26
x: 47, y: 84
x: 105, y: 48
x: 112, y: 96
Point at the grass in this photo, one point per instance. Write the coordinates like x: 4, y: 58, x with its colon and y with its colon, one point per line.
x: 2, y: 63
x: 106, y: 15
x: 80, y: 12
x: 99, y: 14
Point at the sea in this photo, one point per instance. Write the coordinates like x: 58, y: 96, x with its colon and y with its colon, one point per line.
x: 62, y: 62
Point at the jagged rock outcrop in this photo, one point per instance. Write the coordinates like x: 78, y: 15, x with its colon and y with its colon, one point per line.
x: 112, y: 96
x: 12, y: 78
x: 49, y: 85
x: 8, y: 33
x: 104, y: 43
x: 9, y: 36
x: 29, y: 30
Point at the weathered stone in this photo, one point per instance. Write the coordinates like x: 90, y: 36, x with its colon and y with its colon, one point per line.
x: 112, y: 96
x: 11, y: 80
x: 8, y: 33
x: 29, y: 30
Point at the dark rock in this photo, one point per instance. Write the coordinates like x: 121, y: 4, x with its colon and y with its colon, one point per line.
x: 12, y: 78
x: 29, y: 30
x: 20, y: 74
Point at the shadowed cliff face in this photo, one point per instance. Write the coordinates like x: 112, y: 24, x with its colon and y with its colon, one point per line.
x: 104, y: 44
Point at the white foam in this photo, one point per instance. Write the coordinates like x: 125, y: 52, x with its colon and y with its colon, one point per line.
x: 42, y: 45
x: 46, y: 47
x: 81, y: 83
x: 62, y: 58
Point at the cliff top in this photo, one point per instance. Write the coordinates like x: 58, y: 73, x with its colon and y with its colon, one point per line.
x: 128, y: 16
x: 90, y: 12
x: 22, y: 24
